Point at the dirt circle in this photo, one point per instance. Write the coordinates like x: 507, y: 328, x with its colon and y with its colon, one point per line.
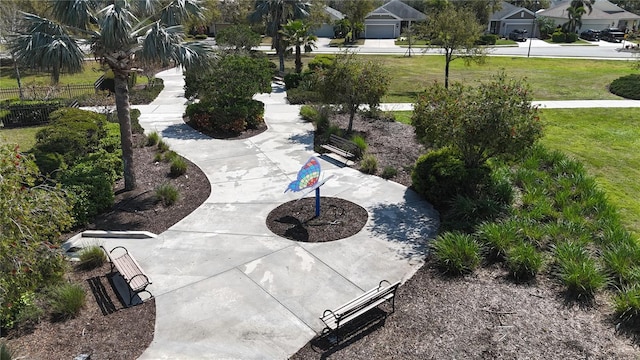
x: 296, y: 220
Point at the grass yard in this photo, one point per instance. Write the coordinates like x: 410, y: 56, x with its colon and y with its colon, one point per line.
x: 92, y: 71
x: 550, y: 79
x: 607, y: 141
x: 25, y: 137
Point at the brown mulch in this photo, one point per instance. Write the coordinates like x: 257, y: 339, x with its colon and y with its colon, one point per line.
x: 481, y: 316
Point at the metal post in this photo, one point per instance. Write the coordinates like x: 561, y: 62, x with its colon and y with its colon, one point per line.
x: 317, y: 201
x: 533, y: 28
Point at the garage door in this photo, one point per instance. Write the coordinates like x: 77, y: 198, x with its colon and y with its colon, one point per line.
x: 379, y: 32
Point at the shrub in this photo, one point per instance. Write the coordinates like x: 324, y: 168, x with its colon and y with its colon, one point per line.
x: 66, y: 300
x: 626, y: 86
x: 309, y: 113
x: 439, y: 175
x: 167, y: 194
x: 300, y: 96
x: 389, y: 172
x: 487, y: 39
x: 91, y: 257
x: 153, y: 138
x: 321, y: 62
x: 163, y: 146
x: 292, y: 80
x: 92, y: 190
x: 627, y: 305
x: 361, y: 143
x: 5, y: 352
x: 456, y: 253
x: 497, y: 237
x: 134, y: 114
x: 523, y: 261
x: 577, y: 270
x: 571, y: 37
x: 238, y: 37
x: 369, y: 164
x: 178, y: 167
x: 558, y: 37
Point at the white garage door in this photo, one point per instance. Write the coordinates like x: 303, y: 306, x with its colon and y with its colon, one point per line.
x: 379, y: 32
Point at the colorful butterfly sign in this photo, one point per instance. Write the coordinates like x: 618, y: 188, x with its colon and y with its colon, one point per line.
x: 308, y: 176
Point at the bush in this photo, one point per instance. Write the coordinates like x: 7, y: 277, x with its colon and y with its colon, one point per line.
x: 91, y: 257
x: 497, y: 237
x: 361, y: 143
x: 321, y: 62
x: 558, y: 37
x: 439, y: 175
x: 571, y: 37
x: 487, y: 39
x: 369, y: 164
x: 627, y: 305
x: 523, y: 261
x: 238, y: 37
x: 292, y: 80
x: 309, y: 113
x: 178, y: 167
x: 389, y: 172
x: 153, y: 138
x: 5, y: 352
x: 66, y: 300
x: 456, y: 253
x: 167, y: 194
x: 626, y: 86
x: 91, y: 190
x: 134, y: 115
x: 299, y: 96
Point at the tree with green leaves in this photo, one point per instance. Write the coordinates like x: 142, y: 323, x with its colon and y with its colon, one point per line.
x: 355, y: 11
x: 585, y: 4
x: 238, y: 37
x: 124, y: 35
x: 351, y: 81
x: 455, y: 31
x: 296, y: 34
x: 575, y: 19
x: 533, y: 5
x: 495, y: 119
x: 276, y: 13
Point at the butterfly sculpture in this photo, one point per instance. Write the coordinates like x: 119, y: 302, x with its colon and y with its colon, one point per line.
x: 308, y: 176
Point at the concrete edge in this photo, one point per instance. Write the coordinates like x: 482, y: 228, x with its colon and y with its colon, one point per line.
x: 108, y: 234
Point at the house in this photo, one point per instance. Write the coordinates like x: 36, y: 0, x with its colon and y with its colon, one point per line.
x: 387, y: 21
x: 604, y: 14
x: 511, y: 17
x: 326, y: 30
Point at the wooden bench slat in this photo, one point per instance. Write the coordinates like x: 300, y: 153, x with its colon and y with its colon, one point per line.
x: 332, y: 322
x: 341, y: 146
x: 130, y: 270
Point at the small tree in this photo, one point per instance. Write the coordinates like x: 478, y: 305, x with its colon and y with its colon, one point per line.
x: 351, y: 82
x: 456, y: 32
x: 238, y: 37
x: 297, y: 34
x: 495, y: 119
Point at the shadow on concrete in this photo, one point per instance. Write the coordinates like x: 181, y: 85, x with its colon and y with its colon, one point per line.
x: 412, y: 223
x: 183, y: 132
x: 277, y: 88
x: 305, y: 139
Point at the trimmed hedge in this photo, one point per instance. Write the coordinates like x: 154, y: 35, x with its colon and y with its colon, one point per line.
x: 627, y: 86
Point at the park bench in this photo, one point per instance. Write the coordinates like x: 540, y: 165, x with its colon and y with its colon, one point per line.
x: 341, y: 146
x: 334, y: 319
x: 129, y: 269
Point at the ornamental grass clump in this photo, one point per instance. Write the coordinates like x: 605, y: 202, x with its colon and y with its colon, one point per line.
x: 178, y: 167
x: 92, y: 257
x: 456, y: 253
x: 167, y: 194
x: 523, y: 261
x: 497, y: 238
x: 153, y: 139
x: 66, y: 300
x: 627, y: 305
x: 577, y: 270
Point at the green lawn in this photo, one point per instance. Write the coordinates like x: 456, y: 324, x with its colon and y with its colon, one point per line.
x: 25, y: 137
x: 607, y: 141
x: 92, y: 71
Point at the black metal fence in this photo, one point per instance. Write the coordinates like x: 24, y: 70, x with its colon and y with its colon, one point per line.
x: 47, y: 92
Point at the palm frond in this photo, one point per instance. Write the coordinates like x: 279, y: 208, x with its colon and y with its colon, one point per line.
x: 116, y: 23
x: 179, y: 10
x: 161, y: 44
x: 144, y: 7
x: 76, y: 13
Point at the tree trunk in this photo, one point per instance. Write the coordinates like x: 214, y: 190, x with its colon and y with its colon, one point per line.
x: 447, y: 60
x: 18, y: 78
x: 124, y: 119
x: 352, y: 115
x: 298, y: 60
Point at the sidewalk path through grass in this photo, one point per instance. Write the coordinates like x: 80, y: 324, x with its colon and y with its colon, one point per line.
x: 228, y: 288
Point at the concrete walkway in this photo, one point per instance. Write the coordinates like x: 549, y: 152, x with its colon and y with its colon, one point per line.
x: 228, y: 288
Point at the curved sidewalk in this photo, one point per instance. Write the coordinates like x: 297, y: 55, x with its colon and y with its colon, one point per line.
x: 228, y: 288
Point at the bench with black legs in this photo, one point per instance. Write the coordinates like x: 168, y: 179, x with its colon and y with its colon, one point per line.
x: 384, y: 292
x: 129, y: 269
x: 341, y: 146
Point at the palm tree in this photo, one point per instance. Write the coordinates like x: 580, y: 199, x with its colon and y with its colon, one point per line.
x: 296, y: 34
x: 277, y: 13
x: 123, y: 34
x: 588, y: 4
x: 575, y: 19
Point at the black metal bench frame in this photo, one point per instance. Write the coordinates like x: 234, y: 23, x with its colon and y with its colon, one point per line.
x: 341, y: 146
x: 334, y: 319
x: 130, y: 271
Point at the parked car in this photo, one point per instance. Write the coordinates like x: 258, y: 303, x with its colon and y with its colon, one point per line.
x: 518, y: 35
x: 591, y: 35
x: 612, y: 35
